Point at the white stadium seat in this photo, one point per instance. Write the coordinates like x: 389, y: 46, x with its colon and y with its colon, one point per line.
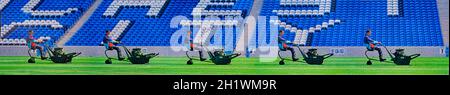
x: 324, y: 25
x: 392, y: 8
x: 318, y: 27
x: 22, y: 41
x: 331, y: 23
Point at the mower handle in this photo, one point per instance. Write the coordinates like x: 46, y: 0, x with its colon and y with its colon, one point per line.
x: 414, y: 56
x: 301, y: 51
x: 327, y: 55
x: 389, y: 52
x: 126, y: 50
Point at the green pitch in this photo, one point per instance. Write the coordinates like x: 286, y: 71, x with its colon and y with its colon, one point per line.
x: 239, y: 66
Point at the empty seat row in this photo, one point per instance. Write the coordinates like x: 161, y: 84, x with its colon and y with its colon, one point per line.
x: 12, y: 42
x: 293, y: 3
x: 156, y: 6
x: 18, y: 41
x: 209, y: 22
x: 201, y: 8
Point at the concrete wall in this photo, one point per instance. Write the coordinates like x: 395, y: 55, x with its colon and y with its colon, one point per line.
x: 167, y: 51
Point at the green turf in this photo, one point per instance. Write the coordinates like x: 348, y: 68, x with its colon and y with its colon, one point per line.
x: 240, y: 66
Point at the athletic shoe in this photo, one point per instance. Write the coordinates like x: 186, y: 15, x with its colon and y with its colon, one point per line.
x: 382, y: 59
x: 202, y: 59
x: 121, y: 59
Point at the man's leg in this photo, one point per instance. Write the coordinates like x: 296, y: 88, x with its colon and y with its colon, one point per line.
x: 42, y: 52
x: 292, y: 53
x: 200, y: 53
x: 380, y: 53
x: 119, y: 52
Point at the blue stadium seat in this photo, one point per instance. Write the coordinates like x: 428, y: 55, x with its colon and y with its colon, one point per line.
x: 417, y: 23
x: 410, y: 23
x: 145, y: 31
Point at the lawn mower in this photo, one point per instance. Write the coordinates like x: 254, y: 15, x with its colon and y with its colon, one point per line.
x: 398, y: 58
x: 311, y: 57
x: 135, y: 56
x: 217, y: 57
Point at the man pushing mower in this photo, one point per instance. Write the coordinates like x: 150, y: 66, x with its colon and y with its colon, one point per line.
x: 109, y: 44
x: 371, y: 44
x: 191, y: 46
x: 286, y: 45
x: 311, y: 57
x: 398, y: 57
x: 57, y: 55
x: 32, y: 43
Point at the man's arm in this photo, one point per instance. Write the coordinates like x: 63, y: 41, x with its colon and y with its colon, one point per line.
x: 37, y: 40
x: 112, y: 40
x: 282, y: 40
x: 371, y: 40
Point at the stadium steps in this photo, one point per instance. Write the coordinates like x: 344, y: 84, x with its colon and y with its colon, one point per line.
x: 66, y: 37
x: 443, y: 15
x: 244, y: 41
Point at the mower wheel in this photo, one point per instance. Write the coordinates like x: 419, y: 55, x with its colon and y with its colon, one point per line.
x: 369, y: 62
x: 108, y: 61
x: 281, y: 63
x: 31, y: 60
x: 189, y: 62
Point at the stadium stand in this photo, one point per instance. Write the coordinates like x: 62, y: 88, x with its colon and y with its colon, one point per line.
x: 148, y: 21
x: 48, y: 18
x: 394, y: 22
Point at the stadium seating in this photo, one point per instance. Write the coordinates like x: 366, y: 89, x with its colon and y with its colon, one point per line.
x: 147, y: 22
x: 48, y: 18
x: 394, y: 22
x: 150, y: 22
